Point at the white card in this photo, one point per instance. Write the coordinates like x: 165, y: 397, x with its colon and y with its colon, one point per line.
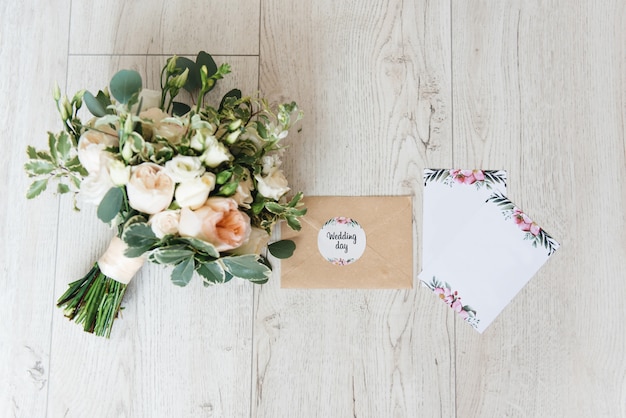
x: 449, y: 196
x: 493, y: 253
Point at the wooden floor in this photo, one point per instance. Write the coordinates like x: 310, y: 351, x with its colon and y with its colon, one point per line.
x: 534, y: 87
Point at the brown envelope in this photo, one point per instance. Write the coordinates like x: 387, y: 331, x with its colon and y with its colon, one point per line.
x: 386, y: 263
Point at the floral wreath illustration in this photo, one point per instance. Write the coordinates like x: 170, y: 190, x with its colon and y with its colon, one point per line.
x: 478, y: 178
x: 453, y: 300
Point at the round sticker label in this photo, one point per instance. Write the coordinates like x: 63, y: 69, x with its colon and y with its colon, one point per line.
x: 341, y: 241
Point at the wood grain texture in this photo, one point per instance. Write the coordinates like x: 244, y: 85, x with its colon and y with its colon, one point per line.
x: 374, y: 83
x: 538, y: 90
x: 29, y: 230
x: 175, y: 351
x: 535, y: 87
x: 165, y: 27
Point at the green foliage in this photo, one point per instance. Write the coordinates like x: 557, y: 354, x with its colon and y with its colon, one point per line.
x: 282, y: 248
x: 183, y: 272
x: 111, y: 204
x: 125, y: 85
x: 247, y: 267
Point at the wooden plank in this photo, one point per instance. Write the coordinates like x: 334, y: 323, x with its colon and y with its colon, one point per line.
x: 374, y: 84
x: 175, y: 351
x: 29, y: 228
x: 165, y: 27
x: 536, y: 91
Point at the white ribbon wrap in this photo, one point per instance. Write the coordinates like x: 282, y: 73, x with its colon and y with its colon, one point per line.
x: 116, y: 265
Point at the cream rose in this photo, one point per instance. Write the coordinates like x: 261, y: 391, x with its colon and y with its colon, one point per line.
x: 95, y: 186
x: 91, y: 145
x: 215, y: 153
x: 157, y: 122
x: 165, y: 223
x: 255, y: 243
x: 193, y: 193
x: 242, y: 195
x: 217, y: 222
x: 184, y: 168
x: 150, y: 190
x: 150, y: 98
x: 274, y: 185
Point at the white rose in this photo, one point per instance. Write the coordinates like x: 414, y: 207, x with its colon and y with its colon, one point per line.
x: 91, y: 145
x: 157, y: 122
x: 118, y: 172
x: 215, y: 152
x: 165, y: 223
x: 193, y: 193
x: 202, y: 138
x: 242, y: 195
x: 95, y: 186
x: 269, y: 162
x: 273, y: 186
x: 150, y: 190
x: 255, y: 244
x: 184, y: 168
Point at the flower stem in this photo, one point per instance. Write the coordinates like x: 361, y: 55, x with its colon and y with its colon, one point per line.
x: 93, y: 301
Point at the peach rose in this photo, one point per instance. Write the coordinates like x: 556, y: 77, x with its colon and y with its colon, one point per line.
x: 150, y: 190
x: 255, y: 243
x: 165, y: 223
x: 162, y: 125
x: 218, y: 222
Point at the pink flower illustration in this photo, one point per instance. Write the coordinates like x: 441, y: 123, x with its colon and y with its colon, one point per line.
x: 467, y: 176
x: 525, y: 223
x: 464, y: 314
x: 342, y: 220
x: 457, y: 306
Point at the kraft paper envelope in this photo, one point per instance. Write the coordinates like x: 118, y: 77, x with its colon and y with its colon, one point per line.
x: 379, y: 227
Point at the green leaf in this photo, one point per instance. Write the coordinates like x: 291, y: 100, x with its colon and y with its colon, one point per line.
x: 294, y: 223
x: 193, y: 78
x: 170, y: 255
x: 247, y: 267
x: 95, y: 107
x: 111, y: 204
x: 235, y: 93
x: 125, y: 84
x: 63, y: 146
x: 36, y: 188
x: 183, y: 272
x: 52, y: 144
x: 223, y: 176
x: 63, y: 188
x: 204, y: 58
x: 212, y: 273
x: 274, y: 208
x: 282, y: 249
x: 139, y: 234
x: 203, y: 246
x: 228, y: 189
x: 32, y: 152
x: 180, y: 109
x: 39, y: 167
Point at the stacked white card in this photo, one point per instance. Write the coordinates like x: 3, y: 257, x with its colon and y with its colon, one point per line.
x: 479, y: 249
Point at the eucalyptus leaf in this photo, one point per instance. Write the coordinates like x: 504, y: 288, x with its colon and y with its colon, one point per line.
x: 193, y: 78
x: 125, y: 84
x: 180, y: 109
x: 183, y: 272
x: 247, y: 267
x: 111, y: 204
x: 36, y: 188
x: 206, y: 59
x: 93, y: 104
x: 282, y: 248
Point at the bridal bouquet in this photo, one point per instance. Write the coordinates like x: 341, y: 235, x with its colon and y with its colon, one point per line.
x: 195, y: 187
